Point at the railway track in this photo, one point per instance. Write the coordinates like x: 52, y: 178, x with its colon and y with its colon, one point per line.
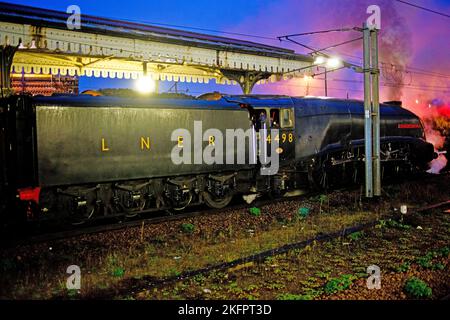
x: 134, y: 285
x: 138, y: 222
x: 8, y: 240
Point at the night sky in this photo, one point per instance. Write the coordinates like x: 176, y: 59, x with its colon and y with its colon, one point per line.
x: 410, y: 38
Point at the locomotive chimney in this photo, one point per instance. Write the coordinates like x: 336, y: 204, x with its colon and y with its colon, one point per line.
x: 394, y: 103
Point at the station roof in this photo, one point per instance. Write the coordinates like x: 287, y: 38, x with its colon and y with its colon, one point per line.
x: 110, y: 48
x: 98, y: 25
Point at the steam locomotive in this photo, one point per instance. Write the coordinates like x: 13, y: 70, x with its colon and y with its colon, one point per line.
x: 79, y: 158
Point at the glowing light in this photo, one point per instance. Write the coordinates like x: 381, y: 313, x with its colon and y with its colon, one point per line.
x: 334, y: 62
x: 417, y: 101
x: 145, y: 85
x: 319, y: 60
x: 307, y: 78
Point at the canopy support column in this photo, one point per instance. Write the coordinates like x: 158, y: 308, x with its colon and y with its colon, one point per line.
x: 6, y: 59
x: 246, y: 79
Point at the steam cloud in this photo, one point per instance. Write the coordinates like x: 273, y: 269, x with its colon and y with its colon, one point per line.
x: 410, y: 40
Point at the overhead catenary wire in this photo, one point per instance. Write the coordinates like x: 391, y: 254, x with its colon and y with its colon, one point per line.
x: 406, y: 87
x: 388, y: 84
x: 314, y: 50
x: 406, y: 68
x: 337, y: 45
x: 319, y: 32
x: 424, y: 8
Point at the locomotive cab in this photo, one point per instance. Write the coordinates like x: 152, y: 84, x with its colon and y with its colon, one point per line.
x: 280, y: 125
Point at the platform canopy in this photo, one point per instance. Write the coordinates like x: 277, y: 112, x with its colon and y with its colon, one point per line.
x: 120, y: 49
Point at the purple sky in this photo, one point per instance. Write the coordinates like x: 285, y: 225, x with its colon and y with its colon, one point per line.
x: 411, y: 37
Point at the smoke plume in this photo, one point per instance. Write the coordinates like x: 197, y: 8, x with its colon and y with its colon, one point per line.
x: 414, y: 54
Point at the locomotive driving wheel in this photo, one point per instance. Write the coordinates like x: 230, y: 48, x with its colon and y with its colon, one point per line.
x: 79, y: 217
x: 179, y: 204
x: 219, y: 191
x: 184, y: 203
x: 179, y: 194
x: 80, y: 205
x: 131, y: 199
x: 215, y: 202
x: 132, y: 204
x: 133, y: 211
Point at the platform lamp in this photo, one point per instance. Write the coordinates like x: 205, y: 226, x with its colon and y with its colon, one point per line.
x: 145, y: 84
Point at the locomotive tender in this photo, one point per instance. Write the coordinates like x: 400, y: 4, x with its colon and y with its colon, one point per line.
x: 83, y: 157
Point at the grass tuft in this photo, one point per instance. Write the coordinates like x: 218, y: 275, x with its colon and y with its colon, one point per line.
x: 417, y: 288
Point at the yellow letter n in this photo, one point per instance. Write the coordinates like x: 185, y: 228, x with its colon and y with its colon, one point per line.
x: 145, y: 143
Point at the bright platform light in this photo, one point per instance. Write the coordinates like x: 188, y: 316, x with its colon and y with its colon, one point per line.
x: 334, y: 62
x: 145, y: 85
x: 319, y: 60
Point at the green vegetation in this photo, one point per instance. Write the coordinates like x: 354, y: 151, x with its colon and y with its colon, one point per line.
x: 397, y: 225
x: 443, y: 252
x: 338, y: 284
x: 188, y: 228
x: 426, y: 261
x: 308, y: 294
x: 438, y: 266
x: 403, y: 267
x: 356, y: 235
x: 323, y: 275
x: 114, y: 267
x: 390, y: 223
x: 255, y: 212
x: 417, y: 288
x: 174, y: 272
x: 72, y: 294
x: 118, y: 272
x: 303, y: 212
x: 323, y: 198
x: 289, y: 296
x: 381, y: 224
